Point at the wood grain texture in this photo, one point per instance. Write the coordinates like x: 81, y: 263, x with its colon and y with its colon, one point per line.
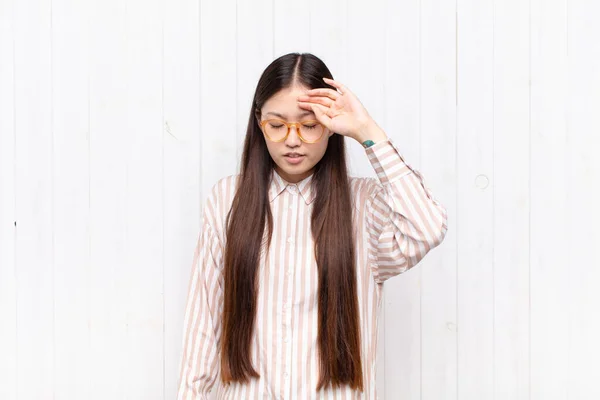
x: 117, y: 117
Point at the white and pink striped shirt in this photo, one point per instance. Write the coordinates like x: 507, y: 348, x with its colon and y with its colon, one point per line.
x: 397, y: 222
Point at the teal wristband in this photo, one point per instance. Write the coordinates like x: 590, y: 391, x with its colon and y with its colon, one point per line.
x: 368, y: 143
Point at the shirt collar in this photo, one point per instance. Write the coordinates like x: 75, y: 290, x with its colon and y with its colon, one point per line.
x: 278, y: 185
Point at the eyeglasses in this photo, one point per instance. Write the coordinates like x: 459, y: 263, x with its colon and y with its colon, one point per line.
x: 277, y: 130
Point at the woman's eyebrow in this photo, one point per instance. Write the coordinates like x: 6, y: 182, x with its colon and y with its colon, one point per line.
x: 304, y: 114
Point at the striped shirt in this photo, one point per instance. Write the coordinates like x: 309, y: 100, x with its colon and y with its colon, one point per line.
x: 397, y: 222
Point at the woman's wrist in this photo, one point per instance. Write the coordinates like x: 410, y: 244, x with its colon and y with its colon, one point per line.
x: 370, y: 134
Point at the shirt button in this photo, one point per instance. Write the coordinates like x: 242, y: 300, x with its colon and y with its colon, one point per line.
x: 285, y: 374
x: 285, y: 340
x: 290, y: 240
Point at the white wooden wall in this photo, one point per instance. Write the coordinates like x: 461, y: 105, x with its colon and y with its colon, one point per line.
x: 117, y: 116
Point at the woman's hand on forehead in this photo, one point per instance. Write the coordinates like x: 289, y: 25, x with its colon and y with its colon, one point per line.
x: 339, y: 110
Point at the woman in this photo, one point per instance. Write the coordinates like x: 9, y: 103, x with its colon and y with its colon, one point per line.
x: 290, y: 263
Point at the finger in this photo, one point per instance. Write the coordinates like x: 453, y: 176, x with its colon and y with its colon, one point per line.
x: 321, y: 112
x: 306, y: 106
x: 332, y: 94
x: 327, y: 113
x: 336, y: 84
x: 326, y: 101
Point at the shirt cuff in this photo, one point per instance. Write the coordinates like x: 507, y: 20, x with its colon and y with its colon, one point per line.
x: 387, y: 161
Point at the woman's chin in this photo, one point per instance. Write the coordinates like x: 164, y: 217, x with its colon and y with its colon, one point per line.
x: 294, y: 173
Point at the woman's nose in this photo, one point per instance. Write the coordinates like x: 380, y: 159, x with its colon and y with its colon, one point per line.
x: 293, y: 136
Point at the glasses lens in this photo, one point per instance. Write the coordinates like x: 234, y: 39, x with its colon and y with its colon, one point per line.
x: 276, y: 130
x: 311, y: 131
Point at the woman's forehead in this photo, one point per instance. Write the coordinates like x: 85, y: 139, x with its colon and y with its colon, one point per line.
x: 284, y: 104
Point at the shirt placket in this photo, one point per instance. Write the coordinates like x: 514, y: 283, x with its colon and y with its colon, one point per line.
x: 287, y: 305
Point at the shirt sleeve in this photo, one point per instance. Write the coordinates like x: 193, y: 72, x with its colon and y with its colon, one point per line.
x: 404, y: 220
x: 202, y: 321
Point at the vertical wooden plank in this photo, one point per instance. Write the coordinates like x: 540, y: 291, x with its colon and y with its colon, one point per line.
x: 402, y: 349
x: 143, y: 273
x: 548, y: 215
x: 291, y: 27
x: 582, y: 272
x: 328, y: 39
x: 475, y: 174
x: 8, y: 217
x: 70, y: 127
x: 181, y: 182
x: 34, y: 155
x: 365, y: 68
x: 511, y: 200
x: 109, y: 150
x: 218, y: 91
x: 438, y: 163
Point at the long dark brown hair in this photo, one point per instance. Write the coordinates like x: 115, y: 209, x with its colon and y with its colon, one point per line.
x: 339, y: 340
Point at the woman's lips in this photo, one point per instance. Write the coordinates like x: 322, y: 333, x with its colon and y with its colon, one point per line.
x: 294, y: 159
